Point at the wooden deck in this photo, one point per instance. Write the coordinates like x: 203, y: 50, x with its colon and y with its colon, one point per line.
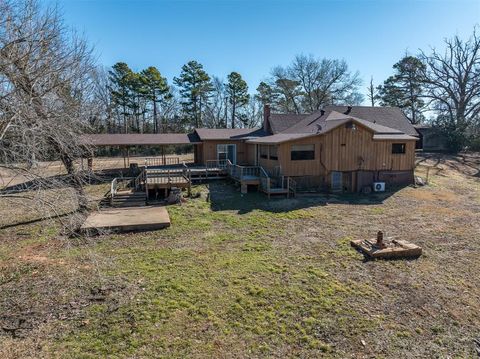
x: 183, y: 175
x: 167, y: 181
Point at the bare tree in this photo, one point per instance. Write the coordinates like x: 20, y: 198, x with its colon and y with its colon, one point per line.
x: 372, y: 92
x: 45, y: 92
x: 102, y: 105
x: 452, y: 81
x: 217, y: 110
x: 309, y: 83
x: 287, y: 91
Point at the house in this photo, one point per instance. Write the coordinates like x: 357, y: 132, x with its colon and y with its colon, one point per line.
x: 338, y: 148
x: 431, y: 139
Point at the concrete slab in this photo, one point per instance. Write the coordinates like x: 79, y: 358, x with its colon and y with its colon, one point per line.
x: 127, y: 219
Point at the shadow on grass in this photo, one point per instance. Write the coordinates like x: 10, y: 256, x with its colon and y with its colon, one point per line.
x: 36, y: 220
x: 224, y: 195
x: 63, y: 181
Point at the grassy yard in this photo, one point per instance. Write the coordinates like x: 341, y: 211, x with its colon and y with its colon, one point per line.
x: 241, y: 276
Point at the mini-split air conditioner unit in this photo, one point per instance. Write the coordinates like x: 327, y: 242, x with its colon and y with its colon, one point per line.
x: 379, y: 186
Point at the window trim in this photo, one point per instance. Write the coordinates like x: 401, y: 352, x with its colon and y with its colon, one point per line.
x: 263, y: 156
x: 311, y: 153
x: 399, y: 148
x: 274, y: 157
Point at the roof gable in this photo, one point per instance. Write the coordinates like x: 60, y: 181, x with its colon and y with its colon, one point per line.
x: 391, y: 117
x: 331, y: 122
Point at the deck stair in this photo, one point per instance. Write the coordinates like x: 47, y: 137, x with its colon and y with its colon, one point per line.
x: 277, y: 184
x: 129, y: 198
x: 126, y: 192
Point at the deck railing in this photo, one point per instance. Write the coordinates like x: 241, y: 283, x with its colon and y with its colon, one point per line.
x: 160, y: 161
x: 265, y: 180
x: 211, y: 164
x: 119, y: 183
x: 242, y: 172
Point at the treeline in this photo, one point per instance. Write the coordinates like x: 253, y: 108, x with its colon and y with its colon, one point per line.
x: 145, y: 102
x: 440, y: 88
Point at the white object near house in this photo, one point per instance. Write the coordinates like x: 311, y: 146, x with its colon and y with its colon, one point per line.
x: 379, y: 186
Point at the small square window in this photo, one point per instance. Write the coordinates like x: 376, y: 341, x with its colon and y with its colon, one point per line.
x: 398, y: 148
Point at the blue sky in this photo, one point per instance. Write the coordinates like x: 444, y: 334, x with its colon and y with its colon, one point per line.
x: 253, y: 36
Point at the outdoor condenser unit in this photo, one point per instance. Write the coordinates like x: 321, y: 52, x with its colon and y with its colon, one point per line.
x: 379, y: 186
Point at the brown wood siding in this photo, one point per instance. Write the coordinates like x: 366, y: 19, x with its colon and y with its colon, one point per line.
x: 198, y: 153
x: 251, y: 154
x: 301, y: 167
x: 345, y: 150
x: 210, y: 150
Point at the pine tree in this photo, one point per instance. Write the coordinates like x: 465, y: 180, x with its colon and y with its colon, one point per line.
x: 265, y: 94
x: 156, y: 90
x: 120, y: 77
x: 405, y: 88
x: 237, y: 91
x: 195, y: 88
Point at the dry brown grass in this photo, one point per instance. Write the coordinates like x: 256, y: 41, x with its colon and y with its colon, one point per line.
x: 241, y: 276
x: 54, y: 168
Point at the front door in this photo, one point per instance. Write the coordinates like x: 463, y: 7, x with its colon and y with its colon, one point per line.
x: 227, y: 152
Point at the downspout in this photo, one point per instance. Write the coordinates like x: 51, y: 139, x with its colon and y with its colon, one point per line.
x: 322, y: 164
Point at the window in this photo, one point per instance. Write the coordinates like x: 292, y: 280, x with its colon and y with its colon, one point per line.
x: 273, y: 153
x: 227, y: 152
x: 398, y: 148
x: 302, y: 152
x: 263, y: 151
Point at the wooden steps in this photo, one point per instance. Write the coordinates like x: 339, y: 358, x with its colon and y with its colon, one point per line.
x: 128, y: 199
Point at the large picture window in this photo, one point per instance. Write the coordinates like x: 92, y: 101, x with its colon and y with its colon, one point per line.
x: 273, y: 153
x: 302, y: 152
x: 398, y: 147
x: 263, y: 151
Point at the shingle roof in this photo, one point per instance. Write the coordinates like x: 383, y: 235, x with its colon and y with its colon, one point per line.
x: 133, y: 139
x: 228, y: 133
x: 280, y: 122
x: 393, y: 136
x: 391, y: 117
x: 329, y: 122
x: 280, y: 137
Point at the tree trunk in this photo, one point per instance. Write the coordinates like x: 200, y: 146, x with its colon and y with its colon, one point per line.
x: 76, y: 182
x: 233, y: 114
x: 155, y: 123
